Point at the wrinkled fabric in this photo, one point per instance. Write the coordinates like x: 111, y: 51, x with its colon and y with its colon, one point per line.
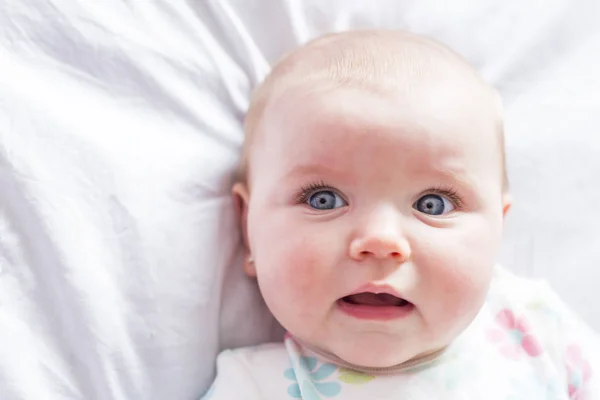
x: 121, y: 125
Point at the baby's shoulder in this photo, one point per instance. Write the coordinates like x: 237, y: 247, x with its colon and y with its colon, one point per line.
x: 527, y: 317
x: 526, y: 295
x: 533, y: 308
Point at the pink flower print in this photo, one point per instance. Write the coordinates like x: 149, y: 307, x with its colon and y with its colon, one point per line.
x: 578, y: 372
x: 513, y: 336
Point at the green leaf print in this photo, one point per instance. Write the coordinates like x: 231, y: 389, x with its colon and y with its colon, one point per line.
x: 354, y: 377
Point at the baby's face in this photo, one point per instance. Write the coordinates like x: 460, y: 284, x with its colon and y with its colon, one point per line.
x: 374, y: 219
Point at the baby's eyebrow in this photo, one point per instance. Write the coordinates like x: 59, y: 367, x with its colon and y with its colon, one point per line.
x: 310, y: 169
x: 461, y: 178
x: 444, y: 173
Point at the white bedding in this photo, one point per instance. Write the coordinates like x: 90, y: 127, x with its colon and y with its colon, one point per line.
x: 120, y: 125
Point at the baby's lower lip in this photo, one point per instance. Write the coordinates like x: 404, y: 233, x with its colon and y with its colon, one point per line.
x: 368, y: 312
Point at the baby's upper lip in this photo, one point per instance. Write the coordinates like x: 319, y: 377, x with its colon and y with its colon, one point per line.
x: 377, y: 288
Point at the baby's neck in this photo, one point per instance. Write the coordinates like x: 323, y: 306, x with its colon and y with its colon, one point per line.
x: 416, y: 362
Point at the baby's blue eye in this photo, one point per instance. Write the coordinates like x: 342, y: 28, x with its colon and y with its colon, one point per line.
x: 433, y: 204
x: 326, y: 200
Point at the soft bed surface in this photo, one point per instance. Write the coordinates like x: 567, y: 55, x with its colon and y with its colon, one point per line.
x: 121, y: 124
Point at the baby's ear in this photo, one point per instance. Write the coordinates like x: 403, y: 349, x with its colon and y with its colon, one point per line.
x: 241, y: 198
x: 507, y: 201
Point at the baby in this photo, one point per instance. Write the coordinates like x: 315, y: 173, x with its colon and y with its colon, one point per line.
x: 372, y: 197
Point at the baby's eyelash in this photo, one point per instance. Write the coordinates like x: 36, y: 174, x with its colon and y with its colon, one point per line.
x: 308, y: 190
x: 450, y: 193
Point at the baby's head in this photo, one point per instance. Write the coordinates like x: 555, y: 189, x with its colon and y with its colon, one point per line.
x: 372, y: 194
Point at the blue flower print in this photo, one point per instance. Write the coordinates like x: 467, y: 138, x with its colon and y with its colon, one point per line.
x: 308, y: 378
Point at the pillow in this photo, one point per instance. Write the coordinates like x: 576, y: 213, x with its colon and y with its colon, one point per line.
x: 121, y: 125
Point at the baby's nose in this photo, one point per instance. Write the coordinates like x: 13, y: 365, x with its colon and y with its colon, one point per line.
x: 381, y: 238
x: 380, y: 247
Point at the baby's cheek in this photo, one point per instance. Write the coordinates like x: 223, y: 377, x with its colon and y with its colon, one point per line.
x: 456, y: 279
x: 465, y: 289
x: 467, y: 277
x: 292, y: 272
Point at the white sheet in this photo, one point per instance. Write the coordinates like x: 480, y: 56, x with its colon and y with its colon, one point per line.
x: 120, y: 125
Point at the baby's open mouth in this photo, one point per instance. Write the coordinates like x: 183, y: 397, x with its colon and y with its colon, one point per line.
x: 375, y: 300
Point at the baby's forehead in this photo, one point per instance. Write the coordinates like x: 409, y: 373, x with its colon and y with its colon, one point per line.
x: 443, y: 99
x: 437, y: 116
x: 342, y: 132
